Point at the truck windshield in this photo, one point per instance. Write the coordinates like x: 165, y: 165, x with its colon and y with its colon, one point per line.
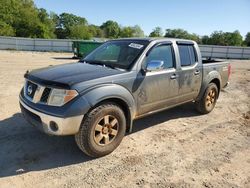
x: 120, y: 54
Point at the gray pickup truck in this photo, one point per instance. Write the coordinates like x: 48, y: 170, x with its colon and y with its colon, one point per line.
x: 98, y: 98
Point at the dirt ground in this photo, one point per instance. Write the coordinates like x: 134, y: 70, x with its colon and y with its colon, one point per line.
x: 174, y: 148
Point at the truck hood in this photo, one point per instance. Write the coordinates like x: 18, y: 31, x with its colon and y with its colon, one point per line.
x: 69, y: 74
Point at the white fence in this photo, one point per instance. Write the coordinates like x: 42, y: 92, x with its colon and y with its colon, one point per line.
x: 56, y: 45
x: 61, y: 45
x: 225, y: 52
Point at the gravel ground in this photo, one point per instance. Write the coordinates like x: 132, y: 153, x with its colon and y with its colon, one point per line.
x: 174, y: 148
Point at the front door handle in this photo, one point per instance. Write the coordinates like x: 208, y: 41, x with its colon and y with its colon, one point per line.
x: 173, y: 76
x: 197, y: 72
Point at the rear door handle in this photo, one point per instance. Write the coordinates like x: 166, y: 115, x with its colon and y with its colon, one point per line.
x: 173, y: 76
x: 197, y: 72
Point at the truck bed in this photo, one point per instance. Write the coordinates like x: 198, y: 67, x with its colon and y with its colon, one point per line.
x: 205, y: 61
x: 217, y: 65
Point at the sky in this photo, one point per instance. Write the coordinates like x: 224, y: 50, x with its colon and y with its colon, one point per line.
x: 196, y: 16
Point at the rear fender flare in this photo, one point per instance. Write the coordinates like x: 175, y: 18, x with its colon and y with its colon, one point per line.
x: 206, y: 80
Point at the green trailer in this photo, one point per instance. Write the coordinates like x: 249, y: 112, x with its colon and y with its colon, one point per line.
x: 83, y: 48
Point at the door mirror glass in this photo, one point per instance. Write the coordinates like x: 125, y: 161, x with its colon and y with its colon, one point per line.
x: 155, y: 65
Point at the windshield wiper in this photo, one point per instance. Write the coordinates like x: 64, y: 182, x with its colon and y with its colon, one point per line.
x: 110, y: 66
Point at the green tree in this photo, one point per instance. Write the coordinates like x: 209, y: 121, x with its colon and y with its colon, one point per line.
x: 6, y: 29
x: 8, y: 14
x: 247, y: 39
x: 194, y: 37
x: 27, y: 23
x: 111, y: 29
x: 80, y: 32
x: 96, y: 31
x: 224, y: 38
x: 126, y: 32
x: 205, y: 39
x: 47, y: 22
x: 21, y: 18
x: 176, y: 33
x: 137, y: 31
x: 233, y: 39
x: 157, y: 32
x: 65, y: 21
x: 217, y: 38
x: 129, y: 31
x: 182, y: 34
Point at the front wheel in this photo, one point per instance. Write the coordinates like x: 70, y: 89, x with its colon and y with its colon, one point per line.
x: 207, y: 103
x: 102, y: 130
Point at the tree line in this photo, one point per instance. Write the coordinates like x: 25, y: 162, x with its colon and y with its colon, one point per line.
x: 21, y: 18
x: 216, y: 38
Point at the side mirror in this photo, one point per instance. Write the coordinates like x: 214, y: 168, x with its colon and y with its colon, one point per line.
x: 155, y: 65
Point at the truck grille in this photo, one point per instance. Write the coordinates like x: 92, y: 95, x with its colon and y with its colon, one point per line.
x: 45, y: 95
x: 36, y: 93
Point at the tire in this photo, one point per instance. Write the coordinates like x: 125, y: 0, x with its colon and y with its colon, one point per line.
x: 102, y: 130
x: 207, y: 103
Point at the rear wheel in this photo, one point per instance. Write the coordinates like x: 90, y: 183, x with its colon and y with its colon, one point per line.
x: 207, y: 103
x: 102, y: 130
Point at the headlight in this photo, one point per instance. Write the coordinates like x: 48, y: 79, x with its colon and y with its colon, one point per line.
x: 59, y: 97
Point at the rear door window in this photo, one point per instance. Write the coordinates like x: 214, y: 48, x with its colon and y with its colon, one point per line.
x: 187, y: 55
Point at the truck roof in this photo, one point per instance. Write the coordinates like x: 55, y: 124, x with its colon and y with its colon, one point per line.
x: 154, y: 39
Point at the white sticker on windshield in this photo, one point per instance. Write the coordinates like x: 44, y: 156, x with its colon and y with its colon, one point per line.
x: 134, y: 45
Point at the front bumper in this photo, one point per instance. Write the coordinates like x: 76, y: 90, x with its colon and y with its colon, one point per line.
x: 51, y: 124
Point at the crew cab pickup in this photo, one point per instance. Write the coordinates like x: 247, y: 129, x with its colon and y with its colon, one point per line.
x: 98, y: 98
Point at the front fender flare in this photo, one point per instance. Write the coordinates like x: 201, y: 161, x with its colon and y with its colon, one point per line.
x: 98, y: 94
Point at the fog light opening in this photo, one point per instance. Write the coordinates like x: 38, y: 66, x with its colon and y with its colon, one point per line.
x: 53, y: 126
